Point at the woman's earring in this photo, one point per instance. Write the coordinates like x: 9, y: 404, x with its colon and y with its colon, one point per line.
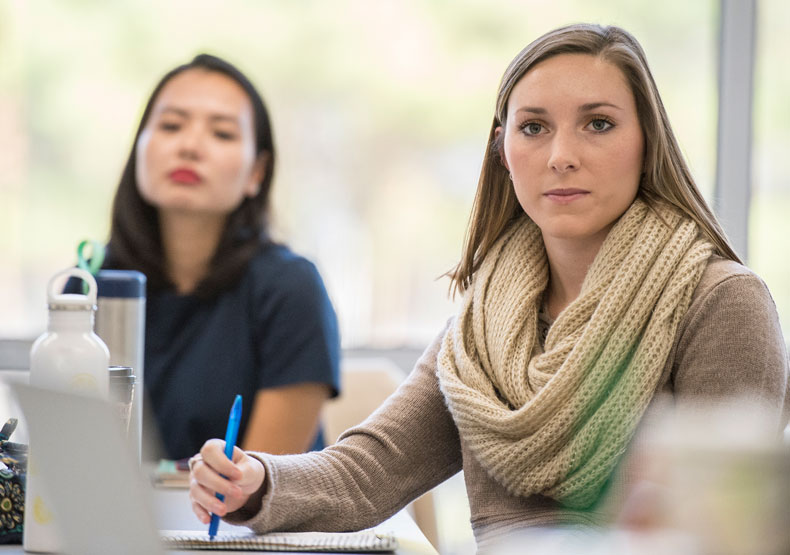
x: 510, y: 175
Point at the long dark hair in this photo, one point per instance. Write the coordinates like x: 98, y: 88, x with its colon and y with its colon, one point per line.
x: 135, y: 240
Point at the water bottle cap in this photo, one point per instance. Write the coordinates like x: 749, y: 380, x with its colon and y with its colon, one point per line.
x: 70, y: 301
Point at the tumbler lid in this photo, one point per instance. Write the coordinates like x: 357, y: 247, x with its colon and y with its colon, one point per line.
x: 125, y: 284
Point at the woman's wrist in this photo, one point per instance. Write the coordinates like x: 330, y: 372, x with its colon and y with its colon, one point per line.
x: 254, y: 502
x: 251, y: 507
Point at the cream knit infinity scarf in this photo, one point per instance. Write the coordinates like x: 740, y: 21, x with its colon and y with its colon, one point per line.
x: 557, y: 421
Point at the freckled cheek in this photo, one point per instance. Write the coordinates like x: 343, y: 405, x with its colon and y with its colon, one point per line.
x: 530, y: 178
x: 630, y: 155
x: 526, y: 163
x: 625, y: 164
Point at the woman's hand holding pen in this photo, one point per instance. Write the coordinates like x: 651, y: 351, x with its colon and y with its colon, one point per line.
x: 207, y: 476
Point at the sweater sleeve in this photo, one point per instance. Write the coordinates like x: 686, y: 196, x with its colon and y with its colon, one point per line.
x: 409, y: 445
x: 733, y: 347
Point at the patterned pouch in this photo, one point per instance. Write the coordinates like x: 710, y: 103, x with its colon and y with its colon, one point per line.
x: 13, y: 466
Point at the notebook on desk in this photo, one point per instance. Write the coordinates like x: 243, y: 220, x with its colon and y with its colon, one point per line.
x: 104, y: 505
x: 366, y: 541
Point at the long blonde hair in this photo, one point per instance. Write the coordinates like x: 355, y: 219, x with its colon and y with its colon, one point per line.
x: 666, y: 175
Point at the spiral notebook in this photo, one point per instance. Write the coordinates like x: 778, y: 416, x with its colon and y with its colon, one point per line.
x: 365, y: 541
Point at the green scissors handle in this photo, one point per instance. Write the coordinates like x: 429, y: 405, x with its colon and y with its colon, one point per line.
x: 90, y: 264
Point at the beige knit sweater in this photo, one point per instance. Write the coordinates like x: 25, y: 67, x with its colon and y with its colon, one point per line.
x: 729, y: 343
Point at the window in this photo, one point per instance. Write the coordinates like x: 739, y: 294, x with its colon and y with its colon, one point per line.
x: 381, y: 111
x: 769, y: 225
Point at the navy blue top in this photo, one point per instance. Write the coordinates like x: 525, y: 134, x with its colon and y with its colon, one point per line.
x: 275, y: 327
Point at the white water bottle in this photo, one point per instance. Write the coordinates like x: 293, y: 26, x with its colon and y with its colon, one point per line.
x: 69, y: 356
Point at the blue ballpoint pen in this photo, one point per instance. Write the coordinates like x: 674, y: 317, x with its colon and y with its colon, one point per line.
x: 230, y: 442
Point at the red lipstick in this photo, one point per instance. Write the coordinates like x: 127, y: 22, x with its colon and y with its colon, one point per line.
x: 185, y: 176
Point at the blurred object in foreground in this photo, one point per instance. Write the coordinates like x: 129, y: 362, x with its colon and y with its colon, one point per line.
x: 701, y: 479
x: 718, y: 473
x: 590, y: 541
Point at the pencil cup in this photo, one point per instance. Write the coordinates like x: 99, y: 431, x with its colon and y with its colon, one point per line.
x: 122, y: 386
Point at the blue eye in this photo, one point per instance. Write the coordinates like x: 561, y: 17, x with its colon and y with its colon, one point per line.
x: 600, y: 125
x: 532, y: 128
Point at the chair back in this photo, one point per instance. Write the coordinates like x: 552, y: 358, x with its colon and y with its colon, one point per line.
x: 365, y: 384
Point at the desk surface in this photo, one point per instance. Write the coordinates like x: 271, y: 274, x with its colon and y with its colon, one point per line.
x: 173, y: 513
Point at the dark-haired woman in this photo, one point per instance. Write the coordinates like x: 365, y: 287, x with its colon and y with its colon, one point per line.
x: 228, y: 310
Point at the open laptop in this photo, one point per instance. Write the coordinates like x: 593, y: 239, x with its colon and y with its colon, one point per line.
x: 99, y: 497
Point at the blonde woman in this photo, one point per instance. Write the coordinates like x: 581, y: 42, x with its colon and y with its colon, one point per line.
x: 594, y: 277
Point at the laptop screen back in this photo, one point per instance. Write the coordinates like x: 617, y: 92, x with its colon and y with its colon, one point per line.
x: 98, y: 495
